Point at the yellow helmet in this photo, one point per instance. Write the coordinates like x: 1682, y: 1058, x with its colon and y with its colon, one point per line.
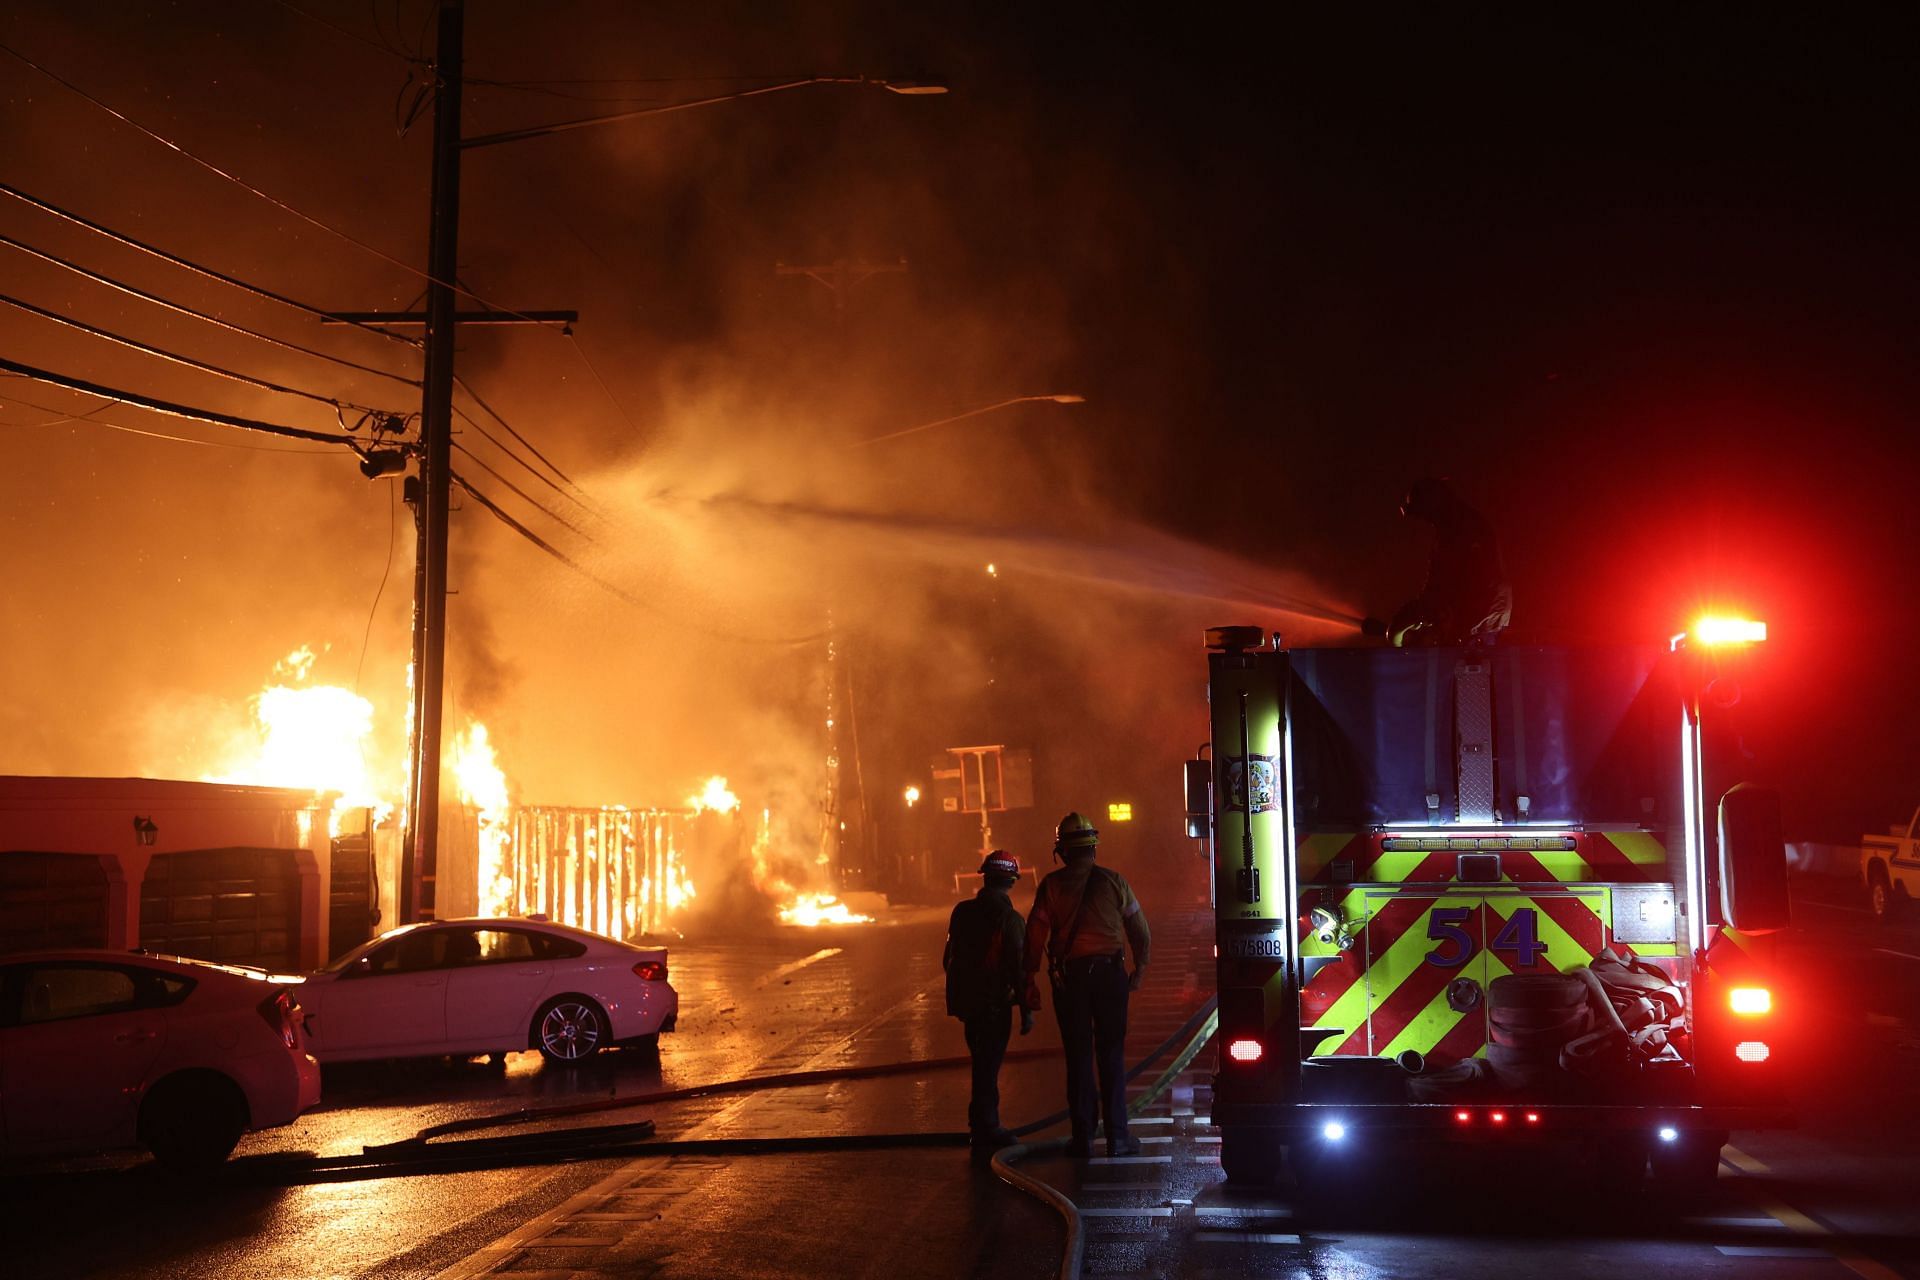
x: 1074, y: 832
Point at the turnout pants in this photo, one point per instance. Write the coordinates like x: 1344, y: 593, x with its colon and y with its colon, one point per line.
x: 987, y: 1034
x: 1091, y: 1005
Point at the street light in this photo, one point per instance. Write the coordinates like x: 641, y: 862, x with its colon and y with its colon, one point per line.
x: 913, y: 87
x: 974, y: 413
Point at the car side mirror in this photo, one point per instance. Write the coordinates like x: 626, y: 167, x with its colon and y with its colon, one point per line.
x: 1199, y: 798
x: 1753, y: 860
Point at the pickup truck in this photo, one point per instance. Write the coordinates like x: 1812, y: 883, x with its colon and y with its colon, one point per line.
x: 1890, y: 865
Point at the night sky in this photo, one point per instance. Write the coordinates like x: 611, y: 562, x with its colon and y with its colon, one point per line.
x: 1641, y: 283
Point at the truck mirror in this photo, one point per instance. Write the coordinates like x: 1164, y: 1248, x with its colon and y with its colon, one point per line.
x: 1199, y: 798
x: 1753, y: 860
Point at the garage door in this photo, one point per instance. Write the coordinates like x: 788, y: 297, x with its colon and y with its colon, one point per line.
x: 238, y: 906
x: 52, y: 900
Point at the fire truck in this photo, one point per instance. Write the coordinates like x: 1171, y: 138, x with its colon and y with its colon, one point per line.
x: 1490, y: 895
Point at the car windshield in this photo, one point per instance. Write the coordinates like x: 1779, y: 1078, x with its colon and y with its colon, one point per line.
x: 345, y: 961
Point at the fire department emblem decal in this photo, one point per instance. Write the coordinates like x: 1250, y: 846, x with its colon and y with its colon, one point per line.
x: 1264, y: 798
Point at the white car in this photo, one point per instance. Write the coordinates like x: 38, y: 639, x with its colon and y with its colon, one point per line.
x: 465, y: 987
x: 107, y: 1049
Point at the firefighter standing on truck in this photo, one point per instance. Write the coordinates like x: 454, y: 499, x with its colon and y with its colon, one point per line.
x: 986, y: 979
x: 1466, y: 596
x: 1083, y: 916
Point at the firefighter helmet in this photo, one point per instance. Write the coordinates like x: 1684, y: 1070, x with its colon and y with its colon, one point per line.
x: 1075, y: 833
x: 1001, y: 863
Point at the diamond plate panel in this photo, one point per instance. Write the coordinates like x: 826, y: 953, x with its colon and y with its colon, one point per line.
x: 1473, y: 738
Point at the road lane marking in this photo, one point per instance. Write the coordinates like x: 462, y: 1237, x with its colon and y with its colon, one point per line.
x: 1245, y: 1237
x: 539, y: 1230
x: 1737, y: 1224
x: 1794, y: 1220
x: 1888, y: 951
x: 1771, y: 1251
x: 1236, y: 1211
x: 1131, y: 1160
x: 826, y: 953
x: 1125, y: 1213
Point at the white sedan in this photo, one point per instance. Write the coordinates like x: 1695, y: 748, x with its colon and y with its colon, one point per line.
x: 105, y: 1049
x: 465, y: 987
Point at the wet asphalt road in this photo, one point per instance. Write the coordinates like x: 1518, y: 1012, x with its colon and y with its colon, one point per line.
x: 1833, y: 1199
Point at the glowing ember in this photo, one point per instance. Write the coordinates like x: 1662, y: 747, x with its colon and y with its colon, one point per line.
x: 484, y: 787
x: 715, y: 797
x: 812, y: 909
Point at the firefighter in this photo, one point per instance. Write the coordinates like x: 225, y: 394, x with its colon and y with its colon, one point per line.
x: 1467, y: 595
x: 985, y: 983
x: 1083, y: 916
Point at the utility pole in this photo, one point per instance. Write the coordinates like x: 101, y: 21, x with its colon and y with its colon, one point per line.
x: 433, y: 493
x: 840, y: 277
x: 436, y: 461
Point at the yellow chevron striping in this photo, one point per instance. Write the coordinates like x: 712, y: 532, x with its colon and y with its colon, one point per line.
x: 1564, y: 865
x: 1640, y: 847
x: 1427, y: 1028
x: 1319, y: 849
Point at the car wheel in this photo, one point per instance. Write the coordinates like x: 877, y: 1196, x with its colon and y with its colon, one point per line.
x: 1880, y: 897
x: 569, y: 1029
x: 192, y: 1123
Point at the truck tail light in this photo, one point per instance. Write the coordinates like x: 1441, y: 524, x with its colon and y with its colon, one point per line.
x: 1244, y: 1050
x: 1752, y: 1051
x: 651, y: 971
x: 1750, y: 1002
x: 282, y: 1013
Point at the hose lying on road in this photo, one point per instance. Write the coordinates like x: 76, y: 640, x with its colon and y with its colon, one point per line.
x: 1197, y: 1031
x: 745, y: 1084
x: 418, y: 1155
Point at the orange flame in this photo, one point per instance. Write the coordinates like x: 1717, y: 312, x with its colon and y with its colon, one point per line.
x: 484, y: 787
x: 815, y: 909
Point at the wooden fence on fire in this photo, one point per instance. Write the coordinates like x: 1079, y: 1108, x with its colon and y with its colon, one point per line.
x: 615, y: 871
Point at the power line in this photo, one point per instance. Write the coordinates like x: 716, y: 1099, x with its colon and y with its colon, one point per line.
x: 393, y: 503
x: 158, y: 301
x: 524, y: 496
x: 607, y: 390
x: 636, y: 601
x: 219, y: 371
x: 170, y: 408
x: 528, y: 467
x: 376, y: 45
x: 494, y: 413
x: 175, y: 259
x: 242, y: 183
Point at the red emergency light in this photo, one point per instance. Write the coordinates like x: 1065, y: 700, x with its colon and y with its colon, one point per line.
x: 1750, y: 1002
x: 1244, y: 1050
x: 1715, y: 630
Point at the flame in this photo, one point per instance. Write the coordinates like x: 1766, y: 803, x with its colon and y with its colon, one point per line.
x: 484, y: 787
x: 814, y: 909
x: 313, y: 738
x: 715, y: 797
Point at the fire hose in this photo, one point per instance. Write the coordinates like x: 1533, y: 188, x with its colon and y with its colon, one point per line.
x: 420, y: 1155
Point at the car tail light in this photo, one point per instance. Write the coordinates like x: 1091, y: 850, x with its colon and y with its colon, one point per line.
x: 1244, y: 1050
x: 1498, y: 1117
x: 651, y: 971
x: 1752, y: 1051
x: 1750, y: 1002
x: 1463, y: 1116
x: 1533, y: 1117
x: 282, y: 1013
